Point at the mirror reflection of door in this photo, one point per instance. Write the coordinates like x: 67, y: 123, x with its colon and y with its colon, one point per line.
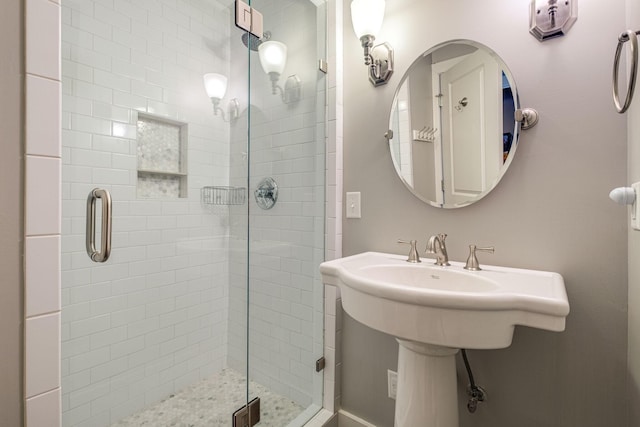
x: 419, y: 90
x: 402, y: 152
x: 452, y: 124
x: 470, y: 89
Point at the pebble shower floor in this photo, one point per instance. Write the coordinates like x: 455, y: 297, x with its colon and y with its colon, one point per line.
x: 211, y: 402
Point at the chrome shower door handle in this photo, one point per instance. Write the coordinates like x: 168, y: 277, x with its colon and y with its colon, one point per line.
x: 105, y: 247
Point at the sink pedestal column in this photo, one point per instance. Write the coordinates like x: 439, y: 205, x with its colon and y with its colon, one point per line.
x: 427, y: 389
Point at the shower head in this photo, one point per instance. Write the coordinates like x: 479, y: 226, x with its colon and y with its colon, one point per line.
x: 252, y: 42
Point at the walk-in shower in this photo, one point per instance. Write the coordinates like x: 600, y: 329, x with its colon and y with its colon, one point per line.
x: 208, y: 300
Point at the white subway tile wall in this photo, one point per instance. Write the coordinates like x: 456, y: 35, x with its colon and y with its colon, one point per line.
x: 43, y: 410
x: 43, y: 275
x: 41, y: 343
x: 43, y: 213
x: 154, y: 318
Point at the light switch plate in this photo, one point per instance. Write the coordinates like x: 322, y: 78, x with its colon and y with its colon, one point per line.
x: 353, y: 205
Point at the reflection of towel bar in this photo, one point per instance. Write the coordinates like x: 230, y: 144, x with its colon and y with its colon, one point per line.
x: 426, y: 134
x: 627, y: 36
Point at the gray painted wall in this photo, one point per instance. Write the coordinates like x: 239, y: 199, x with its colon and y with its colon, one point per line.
x: 11, y: 230
x: 633, y: 162
x: 549, y: 212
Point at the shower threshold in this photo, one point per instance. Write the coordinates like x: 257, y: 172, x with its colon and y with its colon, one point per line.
x: 211, y: 403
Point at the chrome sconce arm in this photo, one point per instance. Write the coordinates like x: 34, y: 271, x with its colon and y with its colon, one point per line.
x: 274, y: 77
x: 379, y: 59
x: 367, y: 17
x: 367, y: 44
x: 292, y: 91
x: 273, y: 58
x: 233, y: 109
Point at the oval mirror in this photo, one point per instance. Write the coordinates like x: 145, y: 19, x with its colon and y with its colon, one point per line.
x: 453, y: 130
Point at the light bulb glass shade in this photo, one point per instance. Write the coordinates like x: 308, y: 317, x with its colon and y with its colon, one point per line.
x: 273, y: 56
x: 215, y: 85
x: 367, y: 16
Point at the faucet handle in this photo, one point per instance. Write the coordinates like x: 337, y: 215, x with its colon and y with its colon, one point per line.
x: 472, y: 262
x: 413, y: 252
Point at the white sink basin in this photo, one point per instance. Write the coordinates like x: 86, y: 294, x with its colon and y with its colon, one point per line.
x: 447, y: 306
x: 434, y: 311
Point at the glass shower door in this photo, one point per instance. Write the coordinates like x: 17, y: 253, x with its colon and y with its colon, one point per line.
x: 145, y: 333
x: 286, y: 213
x: 206, y: 300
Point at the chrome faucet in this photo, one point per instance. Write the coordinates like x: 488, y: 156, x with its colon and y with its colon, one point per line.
x: 436, y: 246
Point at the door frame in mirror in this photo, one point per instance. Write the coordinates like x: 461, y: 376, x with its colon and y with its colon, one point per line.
x: 394, y: 134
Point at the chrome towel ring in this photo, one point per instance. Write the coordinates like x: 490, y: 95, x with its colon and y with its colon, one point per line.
x: 627, y: 36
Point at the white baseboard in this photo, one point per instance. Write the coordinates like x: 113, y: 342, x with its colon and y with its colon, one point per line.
x: 346, y: 419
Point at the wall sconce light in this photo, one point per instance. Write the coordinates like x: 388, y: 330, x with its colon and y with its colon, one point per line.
x: 551, y: 18
x: 273, y: 57
x: 366, y: 17
x: 216, y: 86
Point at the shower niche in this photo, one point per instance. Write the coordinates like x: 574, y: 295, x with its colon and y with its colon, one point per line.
x: 162, y: 157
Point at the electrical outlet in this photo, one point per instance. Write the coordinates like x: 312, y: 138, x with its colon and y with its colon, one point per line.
x: 392, y: 383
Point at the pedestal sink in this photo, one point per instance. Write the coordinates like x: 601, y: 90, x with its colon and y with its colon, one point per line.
x: 434, y: 311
